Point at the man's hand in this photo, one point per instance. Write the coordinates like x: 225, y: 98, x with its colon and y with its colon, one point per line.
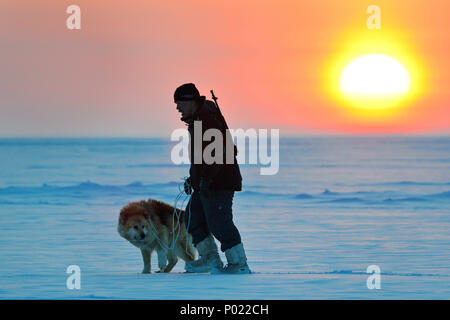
x: 204, y: 187
x: 187, y: 186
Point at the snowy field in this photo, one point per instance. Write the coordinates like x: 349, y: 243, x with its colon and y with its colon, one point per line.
x: 337, y: 205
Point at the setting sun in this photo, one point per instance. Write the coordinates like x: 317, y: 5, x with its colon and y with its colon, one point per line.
x: 374, y: 75
x: 374, y: 81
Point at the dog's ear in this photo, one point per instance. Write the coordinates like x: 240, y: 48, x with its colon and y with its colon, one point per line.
x: 126, y: 212
x: 149, y: 212
x: 148, y: 206
x: 142, y: 205
x: 122, y: 219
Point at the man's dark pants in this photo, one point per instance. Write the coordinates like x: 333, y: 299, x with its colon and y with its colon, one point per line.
x: 212, y: 213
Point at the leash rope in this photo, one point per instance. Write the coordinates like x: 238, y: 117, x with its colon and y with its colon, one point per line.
x: 176, y: 226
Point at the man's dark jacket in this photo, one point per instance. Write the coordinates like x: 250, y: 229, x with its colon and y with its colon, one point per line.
x: 220, y: 176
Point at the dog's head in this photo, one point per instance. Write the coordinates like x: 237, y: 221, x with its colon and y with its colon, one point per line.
x: 134, y: 223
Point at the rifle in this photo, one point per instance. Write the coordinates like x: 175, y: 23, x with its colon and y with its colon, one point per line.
x: 223, y: 119
x: 218, y: 109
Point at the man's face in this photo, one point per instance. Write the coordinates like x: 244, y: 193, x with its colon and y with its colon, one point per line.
x: 186, y: 108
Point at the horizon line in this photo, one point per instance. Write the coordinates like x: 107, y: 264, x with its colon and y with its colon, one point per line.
x: 443, y: 134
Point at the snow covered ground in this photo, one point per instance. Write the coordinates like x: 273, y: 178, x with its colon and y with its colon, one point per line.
x: 337, y: 205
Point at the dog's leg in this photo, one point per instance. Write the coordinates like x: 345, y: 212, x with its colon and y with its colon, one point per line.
x: 180, y: 251
x: 173, y: 259
x: 147, y: 258
x: 162, y: 259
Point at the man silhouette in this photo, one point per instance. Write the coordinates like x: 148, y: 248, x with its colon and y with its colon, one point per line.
x: 213, y: 185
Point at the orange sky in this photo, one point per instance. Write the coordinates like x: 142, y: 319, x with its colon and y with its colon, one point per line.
x: 116, y: 76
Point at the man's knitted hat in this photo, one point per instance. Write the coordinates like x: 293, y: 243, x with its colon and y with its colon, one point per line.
x: 186, y: 92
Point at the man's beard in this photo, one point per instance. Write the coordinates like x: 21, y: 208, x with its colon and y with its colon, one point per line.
x: 185, y: 118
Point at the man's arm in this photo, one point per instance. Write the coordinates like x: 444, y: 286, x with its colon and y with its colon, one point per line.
x: 210, y: 171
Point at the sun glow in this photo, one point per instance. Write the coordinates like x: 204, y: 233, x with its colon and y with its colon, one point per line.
x: 373, y: 76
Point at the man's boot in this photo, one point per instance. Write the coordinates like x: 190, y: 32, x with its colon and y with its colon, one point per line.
x: 237, y: 261
x: 209, y: 257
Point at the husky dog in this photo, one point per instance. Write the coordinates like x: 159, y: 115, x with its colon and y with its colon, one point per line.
x: 150, y: 225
